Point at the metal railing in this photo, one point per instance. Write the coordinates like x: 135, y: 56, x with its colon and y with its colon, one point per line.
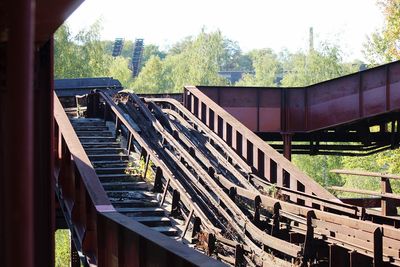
x: 104, y: 236
x: 265, y: 160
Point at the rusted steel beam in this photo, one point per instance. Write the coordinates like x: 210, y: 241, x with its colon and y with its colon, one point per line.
x: 253, y: 142
x: 17, y: 136
x: 144, y: 243
x: 366, y: 192
x: 43, y: 154
x: 388, y: 205
x: 310, y: 200
x: 265, y: 109
x: 344, y: 231
x: 363, y: 202
x: 338, y: 256
x: 105, y: 236
x: 287, y: 145
x: 366, y: 173
x: 269, y: 241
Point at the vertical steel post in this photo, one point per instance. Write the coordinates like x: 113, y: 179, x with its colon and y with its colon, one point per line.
x: 287, y: 145
x: 18, y: 176
x: 44, y: 207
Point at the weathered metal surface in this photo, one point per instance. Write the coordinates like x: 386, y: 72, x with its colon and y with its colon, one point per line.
x: 338, y: 110
x: 267, y: 161
x: 17, y: 135
x: 43, y: 157
x: 104, y: 236
x: 338, y: 101
x: 199, y: 162
x: 389, y: 201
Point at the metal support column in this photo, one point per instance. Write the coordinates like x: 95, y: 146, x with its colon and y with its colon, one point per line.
x: 44, y: 202
x: 17, y: 244
x: 287, y: 145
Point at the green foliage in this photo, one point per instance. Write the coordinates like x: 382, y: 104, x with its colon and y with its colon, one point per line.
x: 137, y: 169
x: 318, y: 168
x: 384, y: 44
x: 151, y: 77
x: 266, y: 67
x: 302, y: 69
x: 82, y: 55
x: 63, y: 248
x: 118, y: 68
x: 192, y: 61
x: 150, y: 51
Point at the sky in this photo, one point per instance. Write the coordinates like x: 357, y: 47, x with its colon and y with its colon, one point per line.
x: 254, y: 24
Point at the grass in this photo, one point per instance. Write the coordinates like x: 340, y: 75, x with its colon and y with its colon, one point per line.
x: 63, y: 248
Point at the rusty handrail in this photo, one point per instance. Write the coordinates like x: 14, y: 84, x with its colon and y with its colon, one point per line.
x: 105, y: 236
x: 366, y: 174
x: 389, y: 201
x: 258, y: 153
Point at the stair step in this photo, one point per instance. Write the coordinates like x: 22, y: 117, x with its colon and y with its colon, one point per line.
x: 94, y: 133
x: 142, y: 211
x: 86, y: 120
x: 90, y: 128
x: 153, y: 221
x: 134, y: 203
x: 127, y: 186
x: 133, y: 195
x: 108, y: 157
x: 169, y: 231
x: 95, y: 139
x: 107, y: 150
x: 102, y: 145
x: 84, y: 123
x: 114, y: 170
x: 113, y: 177
x: 110, y: 163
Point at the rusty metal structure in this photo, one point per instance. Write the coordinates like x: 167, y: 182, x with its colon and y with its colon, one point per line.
x: 153, y: 181
x: 332, y: 117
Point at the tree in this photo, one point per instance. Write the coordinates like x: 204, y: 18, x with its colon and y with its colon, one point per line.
x: 231, y: 55
x: 65, y: 56
x: 384, y: 44
x: 302, y: 69
x: 318, y: 168
x: 152, y: 50
x: 82, y: 55
x: 266, y: 67
x: 193, y: 61
x: 150, y: 79
x: 118, y: 69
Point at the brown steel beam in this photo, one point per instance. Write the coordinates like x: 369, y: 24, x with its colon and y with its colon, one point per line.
x: 44, y: 207
x: 287, y: 145
x: 363, y: 202
x: 17, y: 246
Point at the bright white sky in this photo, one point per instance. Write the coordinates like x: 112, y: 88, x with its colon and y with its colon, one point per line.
x: 253, y: 23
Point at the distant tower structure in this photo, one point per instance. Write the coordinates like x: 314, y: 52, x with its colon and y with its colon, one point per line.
x: 311, y: 39
x: 137, y: 57
x: 118, y: 45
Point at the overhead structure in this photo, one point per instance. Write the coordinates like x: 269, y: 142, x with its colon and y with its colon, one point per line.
x: 357, y: 114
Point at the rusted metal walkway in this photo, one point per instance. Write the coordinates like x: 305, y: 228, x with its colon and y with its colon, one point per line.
x: 198, y: 175
x: 332, y: 117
